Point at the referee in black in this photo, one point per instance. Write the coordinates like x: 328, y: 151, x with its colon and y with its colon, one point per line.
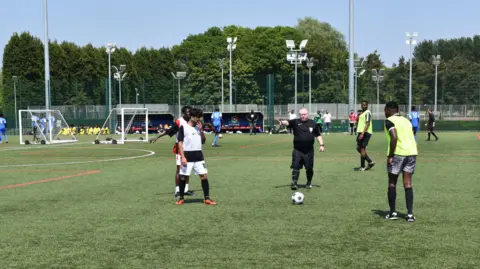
x: 305, y: 131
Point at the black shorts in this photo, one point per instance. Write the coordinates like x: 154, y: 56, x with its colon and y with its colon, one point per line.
x: 364, y: 142
x: 352, y: 124
x: 302, y: 159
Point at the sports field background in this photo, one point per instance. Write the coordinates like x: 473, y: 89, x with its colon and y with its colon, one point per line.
x: 122, y: 214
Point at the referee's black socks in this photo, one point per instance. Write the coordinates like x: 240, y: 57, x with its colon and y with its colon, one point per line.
x: 295, y: 175
x: 309, y: 175
x: 362, y: 162
x: 368, y: 158
x: 181, y: 185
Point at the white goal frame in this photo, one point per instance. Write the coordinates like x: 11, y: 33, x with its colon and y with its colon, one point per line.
x: 125, y: 127
x: 50, y: 137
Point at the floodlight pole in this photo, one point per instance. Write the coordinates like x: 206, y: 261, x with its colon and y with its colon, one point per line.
x: 296, y: 61
x: 310, y: 65
x: 232, y: 43
x: 179, y: 106
x: 350, y: 62
x: 410, y: 41
x: 110, y: 49
x: 47, y: 57
x: 222, y: 65
x: 136, y: 95
x: 15, y: 78
x: 378, y: 77
x: 436, y: 62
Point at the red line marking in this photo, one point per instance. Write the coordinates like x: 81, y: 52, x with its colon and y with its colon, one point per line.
x: 91, y: 172
x: 47, y: 170
x: 259, y: 145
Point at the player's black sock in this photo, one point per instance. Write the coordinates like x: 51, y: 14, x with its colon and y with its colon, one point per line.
x: 392, y: 197
x: 368, y: 159
x: 409, y: 200
x: 433, y: 133
x: 428, y: 136
x: 295, y: 175
x: 206, y: 189
x: 362, y: 162
x: 182, y: 186
x: 309, y: 175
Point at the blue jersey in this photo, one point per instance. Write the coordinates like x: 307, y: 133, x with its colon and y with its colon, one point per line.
x: 43, y: 121
x: 3, y: 123
x: 34, y: 120
x: 414, y: 117
x: 216, y: 118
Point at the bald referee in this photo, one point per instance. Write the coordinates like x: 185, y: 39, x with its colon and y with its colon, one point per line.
x: 304, y: 133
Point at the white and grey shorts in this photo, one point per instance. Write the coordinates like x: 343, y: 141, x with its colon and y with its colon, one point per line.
x: 402, y: 164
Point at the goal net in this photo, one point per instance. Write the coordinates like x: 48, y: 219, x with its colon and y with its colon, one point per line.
x: 44, y: 127
x: 124, y: 125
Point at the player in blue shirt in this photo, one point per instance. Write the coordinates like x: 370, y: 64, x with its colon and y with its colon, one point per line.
x: 3, y: 127
x: 217, y: 125
x: 43, y: 123
x: 415, y: 120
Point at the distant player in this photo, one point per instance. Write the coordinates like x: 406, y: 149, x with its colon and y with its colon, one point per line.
x: 34, y: 119
x: 402, y: 158
x: 305, y: 131
x: 415, y: 120
x: 51, y: 123
x: 364, y: 133
x: 327, y: 121
x: 217, y: 125
x: 190, y: 139
x: 43, y: 124
x: 252, y: 118
x: 431, y: 125
x: 352, y: 118
x: 3, y: 129
x: 318, y: 120
x: 171, y: 132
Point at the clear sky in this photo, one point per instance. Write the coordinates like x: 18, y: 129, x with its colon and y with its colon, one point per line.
x: 379, y: 24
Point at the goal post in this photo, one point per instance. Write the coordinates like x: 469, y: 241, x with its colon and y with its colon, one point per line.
x: 42, y: 126
x: 124, y: 125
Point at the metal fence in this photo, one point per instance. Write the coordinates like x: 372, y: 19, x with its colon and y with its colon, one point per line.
x: 338, y: 111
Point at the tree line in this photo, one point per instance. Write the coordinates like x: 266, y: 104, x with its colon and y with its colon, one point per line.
x: 79, y: 73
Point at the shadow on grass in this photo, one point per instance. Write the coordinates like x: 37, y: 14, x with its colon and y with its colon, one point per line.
x: 300, y: 186
x: 383, y: 213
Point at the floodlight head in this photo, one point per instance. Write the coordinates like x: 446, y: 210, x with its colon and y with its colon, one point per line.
x: 174, y: 76
x: 116, y: 75
x: 290, y: 44
x: 415, y: 34
x: 123, y: 67
x: 229, y: 39
x: 302, y: 56
x: 124, y: 75
x: 303, y: 44
x: 234, y: 46
x: 407, y: 34
x: 15, y: 78
x: 374, y: 72
x: 113, y: 49
x: 181, y: 75
x: 362, y: 72
x: 235, y: 40
x: 381, y: 72
x: 291, y: 56
x: 109, y: 44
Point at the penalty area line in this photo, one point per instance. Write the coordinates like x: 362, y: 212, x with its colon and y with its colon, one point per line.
x: 91, y: 172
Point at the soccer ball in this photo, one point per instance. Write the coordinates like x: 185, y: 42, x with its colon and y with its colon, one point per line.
x: 220, y: 135
x: 297, y: 198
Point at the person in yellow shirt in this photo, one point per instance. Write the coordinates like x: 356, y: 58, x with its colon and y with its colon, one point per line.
x: 401, y: 158
x: 96, y: 130
x: 364, y: 133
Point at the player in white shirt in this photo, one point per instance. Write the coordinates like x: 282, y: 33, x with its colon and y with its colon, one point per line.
x: 190, y: 140
x: 292, y: 116
x: 327, y: 121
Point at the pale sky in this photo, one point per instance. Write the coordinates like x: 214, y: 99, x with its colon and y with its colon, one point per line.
x: 379, y: 24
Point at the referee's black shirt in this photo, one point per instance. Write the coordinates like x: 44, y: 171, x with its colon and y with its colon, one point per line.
x: 304, y: 134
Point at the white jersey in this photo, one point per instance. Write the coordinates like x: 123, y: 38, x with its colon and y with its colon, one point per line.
x: 192, y: 142
x: 293, y: 116
x: 327, y: 118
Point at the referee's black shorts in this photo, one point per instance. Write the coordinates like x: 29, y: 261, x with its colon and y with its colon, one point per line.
x: 302, y: 159
x: 364, y: 142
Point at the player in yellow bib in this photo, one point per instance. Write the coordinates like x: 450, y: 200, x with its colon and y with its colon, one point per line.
x: 402, y: 158
x: 364, y: 129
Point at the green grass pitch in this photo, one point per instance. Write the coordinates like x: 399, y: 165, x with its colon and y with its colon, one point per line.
x: 96, y: 213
